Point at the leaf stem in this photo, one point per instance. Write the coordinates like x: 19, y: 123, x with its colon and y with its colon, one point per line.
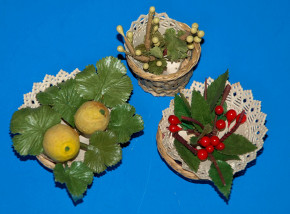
x: 193, y: 120
x: 192, y: 131
x: 236, y: 126
x: 217, y: 168
x: 84, y: 146
x: 184, y: 142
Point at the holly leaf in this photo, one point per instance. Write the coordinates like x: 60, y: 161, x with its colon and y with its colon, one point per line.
x: 63, y: 98
x: 237, y: 144
x: 29, y: 126
x: 220, y: 156
x: 76, y: 178
x: 176, y: 48
x: 193, y: 141
x: 124, y: 122
x: 200, y: 109
x: 182, y: 108
x: 110, y: 85
x: 156, y: 51
x: 189, y: 158
x: 157, y: 70
x: 227, y: 173
x: 103, y: 151
x: 215, y: 90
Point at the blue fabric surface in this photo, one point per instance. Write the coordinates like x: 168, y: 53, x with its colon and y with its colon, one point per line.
x: 250, y: 38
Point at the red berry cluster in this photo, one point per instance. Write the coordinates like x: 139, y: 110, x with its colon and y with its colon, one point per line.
x: 174, y: 121
x: 209, y: 144
x: 230, y: 115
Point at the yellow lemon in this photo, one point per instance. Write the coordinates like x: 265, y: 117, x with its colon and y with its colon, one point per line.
x: 92, y: 116
x: 61, y: 143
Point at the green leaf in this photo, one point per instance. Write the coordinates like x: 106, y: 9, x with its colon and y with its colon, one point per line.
x: 103, y: 151
x: 157, y: 70
x: 215, y: 90
x: 237, y: 144
x: 176, y: 48
x: 30, y: 125
x: 193, y: 140
x: 189, y: 158
x: 124, y: 122
x: 182, y: 108
x: 76, y: 178
x: 200, y: 109
x: 156, y: 51
x: 227, y: 173
x: 220, y: 156
x: 63, y: 98
x: 110, y: 85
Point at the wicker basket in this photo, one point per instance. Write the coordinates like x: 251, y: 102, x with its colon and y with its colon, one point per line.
x: 162, y: 85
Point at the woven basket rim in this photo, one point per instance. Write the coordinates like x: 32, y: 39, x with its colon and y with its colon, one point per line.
x: 148, y: 76
x: 170, y: 161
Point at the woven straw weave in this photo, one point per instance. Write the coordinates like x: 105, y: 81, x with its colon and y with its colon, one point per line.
x: 254, y: 130
x: 162, y: 85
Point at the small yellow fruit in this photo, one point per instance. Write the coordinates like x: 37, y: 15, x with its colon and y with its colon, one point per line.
x: 120, y: 49
x: 200, y: 33
x: 152, y: 9
x: 193, y: 30
x: 156, y: 20
x: 61, y: 143
x: 120, y: 30
x: 155, y: 28
x: 130, y: 34
x: 194, y: 25
x: 190, y: 46
x: 138, y: 52
x: 92, y: 116
x: 145, y: 66
x: 155, y: 40
x: 158, y: 63
x: 197, y: 39
x: 189, y: 39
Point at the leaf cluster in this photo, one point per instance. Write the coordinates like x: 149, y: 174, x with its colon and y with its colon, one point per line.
x: 203, y: 111
x: 109, y: 85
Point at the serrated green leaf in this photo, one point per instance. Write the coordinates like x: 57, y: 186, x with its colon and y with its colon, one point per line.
x: 103, y: 151
x: 157, y: 70
x: 200, y: 108
x: 189, y: 158
x: 193, y: 140
x: 110, y: 85
x: 64, y: 99
x: 227, y: 173
x: 176, y: 48
x: 76, y: 178
x: 124, y: 122
x: 182, y: 108
x: 159, y: 36
x: 216, y: 89
x: 220, y: 156
x: 156, y: 51
x: 30, y: 126
x: 237, y: 144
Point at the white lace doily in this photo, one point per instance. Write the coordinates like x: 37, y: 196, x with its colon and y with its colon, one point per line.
x: 138, y: 28
x: 253, y: 129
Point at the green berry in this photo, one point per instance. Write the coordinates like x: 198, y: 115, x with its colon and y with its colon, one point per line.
x: 189, y: 39
x: 138, y: 52
x: 200, y: 33
x: 155, y: 39
x: 197, y: 39
x: 120, y: 48
x: 145, y: 66
x: 190, y: 46
x: 193, y: 30
x: 129, y: 34
x: 120, y: 30
x: 156, y: 20
x: 159, y: 63
x: 155, y: 28
x: 194, y: 25
x: 152, y: 9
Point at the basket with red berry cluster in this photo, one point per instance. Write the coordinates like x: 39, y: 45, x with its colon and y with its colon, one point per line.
x: 212, y: 131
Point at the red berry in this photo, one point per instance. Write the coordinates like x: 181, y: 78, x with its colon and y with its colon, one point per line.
x: 209, y: 149
x: 204, y: 141
x: 219, y: 110
x: 172, y: 119
x: 220, y: 146
x: 202, y: 154
x: 243, y: 119
x: 214, y: 140
x: 220, y: 124
x: 231, y: 115
x: 174, y: 128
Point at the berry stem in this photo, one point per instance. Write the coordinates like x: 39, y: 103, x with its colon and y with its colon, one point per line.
x: 236, y: 126
x: 224, y: 97
x: 147, y: 42
x: 205, y: 89
x: 193, y: 120
x: 192, y: 131
x: 184, y: 142
x: 217, y: 168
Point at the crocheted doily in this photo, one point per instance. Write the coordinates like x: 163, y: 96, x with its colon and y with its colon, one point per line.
x: 138, y: 28
x: 254, y: 128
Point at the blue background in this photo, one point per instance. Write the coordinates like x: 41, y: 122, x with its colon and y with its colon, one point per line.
x: 249, y: 37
